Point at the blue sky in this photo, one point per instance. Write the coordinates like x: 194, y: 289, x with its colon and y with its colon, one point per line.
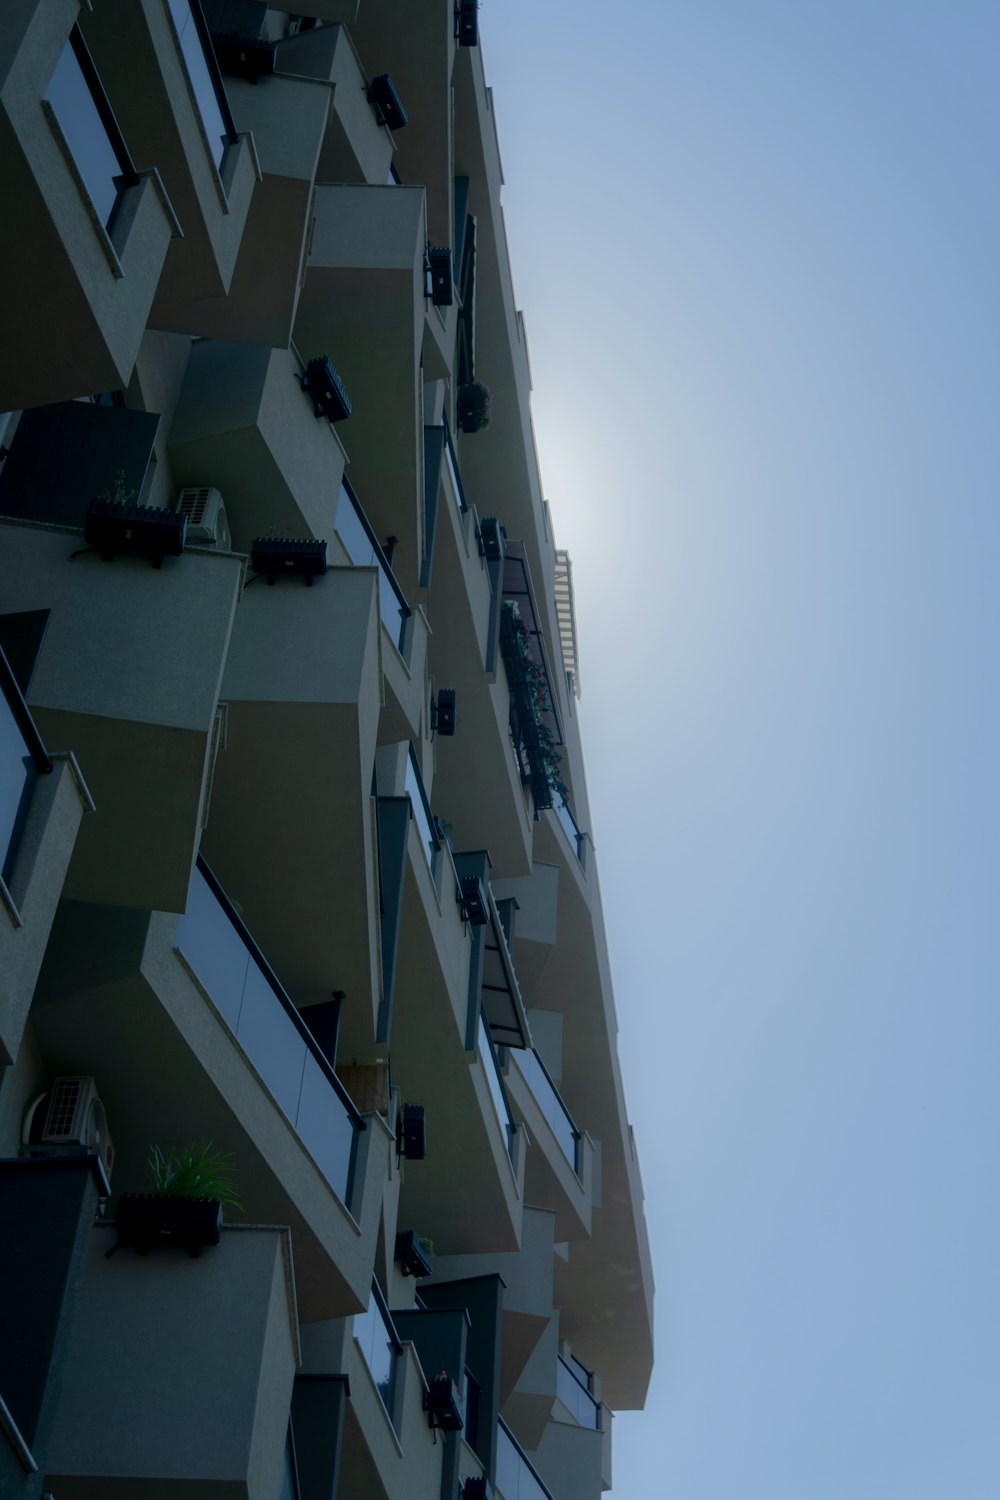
x: 757, y: 248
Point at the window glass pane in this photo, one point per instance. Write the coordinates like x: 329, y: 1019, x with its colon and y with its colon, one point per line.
x: 83, y: 128
x: 201, y: 79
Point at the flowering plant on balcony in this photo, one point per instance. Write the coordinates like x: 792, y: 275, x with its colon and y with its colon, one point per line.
x: 530, y: 690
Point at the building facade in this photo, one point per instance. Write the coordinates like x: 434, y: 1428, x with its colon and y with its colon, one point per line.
x: 297, y: 874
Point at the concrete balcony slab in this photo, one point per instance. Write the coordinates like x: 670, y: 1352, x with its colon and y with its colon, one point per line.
x: 153, y: 68
x: 291, y: 831
x: 45, y: 846
x: 78, y: 293
x: 120, y: 999
x: 436, y: 1037
x: 244, y: 426
x: 480, y: 795
x: 363, y: 305
x: 128, y: 679
x: 165, y: 1345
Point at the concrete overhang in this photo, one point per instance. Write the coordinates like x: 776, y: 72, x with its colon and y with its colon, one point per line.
x: 477, y: 788
x: 77, y: 295
x: 605, y: 1287
x: 363, y: 305
x: 244, y: 426
x: 416, y: 45
x: 116, y: 1001
x: 466, y: 1143
x: 128, y: 679
x: 355, y: 147
x: 207, y: 1348
x: 291, y: 833
x: 139, y: 57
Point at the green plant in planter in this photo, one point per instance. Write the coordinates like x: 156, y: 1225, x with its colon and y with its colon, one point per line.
x: 196, y: 1172
x: 475, y: 406
x: 183, y: 1206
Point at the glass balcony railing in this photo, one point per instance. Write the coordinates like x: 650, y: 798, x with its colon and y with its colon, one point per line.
x: 451, y: 465
x: 492, y: 1070
x: 572, y: 832
x: 80, y: 105
x: 354, y: 530
x: 251, y: 1001
x: 22, y: 756
x: 199, y: 59
x: 546, y: 1096
x: 379, y: 1346
x: 414, y: 789
x: 516, y: 1479
x: 575, y: 1396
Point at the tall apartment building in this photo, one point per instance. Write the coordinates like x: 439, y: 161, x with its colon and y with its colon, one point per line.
x: 294, y: 835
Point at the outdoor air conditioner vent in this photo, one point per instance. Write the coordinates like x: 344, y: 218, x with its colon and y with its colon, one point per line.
x: 69, y: 1119
x: 207, y: 521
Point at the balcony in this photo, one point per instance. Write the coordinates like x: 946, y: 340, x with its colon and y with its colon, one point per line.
x: 418, y: 48
x: 292, y: 831
x: 128, y: 677
x: 479, y: 794
x: 546, y: 1096
x: 573, y: 1391
x: 275, y: 1036
x: 379, y: 1346
x: 573, y: 1462
x: 159, y: 69
x: 388, y: 1450
x: 570, y: 828
x: 42, y: 801
x: 363, y: 303
x: 404, y: 637
x: 93, y: 233
x: 243, y: 425
x: 356, y: 147
x: 437, y: 1035
x: 187, y: 1032
x: 311, y: 120
x: 516, y: 1476
x: 164, y: 1345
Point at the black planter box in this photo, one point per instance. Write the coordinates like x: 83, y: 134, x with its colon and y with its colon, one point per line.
x: 411, y: 1134
x: 384, y: 99
x: 113, y: 527
x: 468, y: 23
x: 244, y: 57
x: 413, y: 1259
x: 444, y: 1405
x: 442, y: 281
x: 146, y: 1221
x: 444, y: 719
x: 477, y: 1487
x: 296, y: 557
x: 324, y: 385
x: 474, y: 904
x: 465, y: 410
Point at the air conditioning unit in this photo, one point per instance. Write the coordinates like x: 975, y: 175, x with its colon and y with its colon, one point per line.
x: 207, y: 522
x: 68, y: 1120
